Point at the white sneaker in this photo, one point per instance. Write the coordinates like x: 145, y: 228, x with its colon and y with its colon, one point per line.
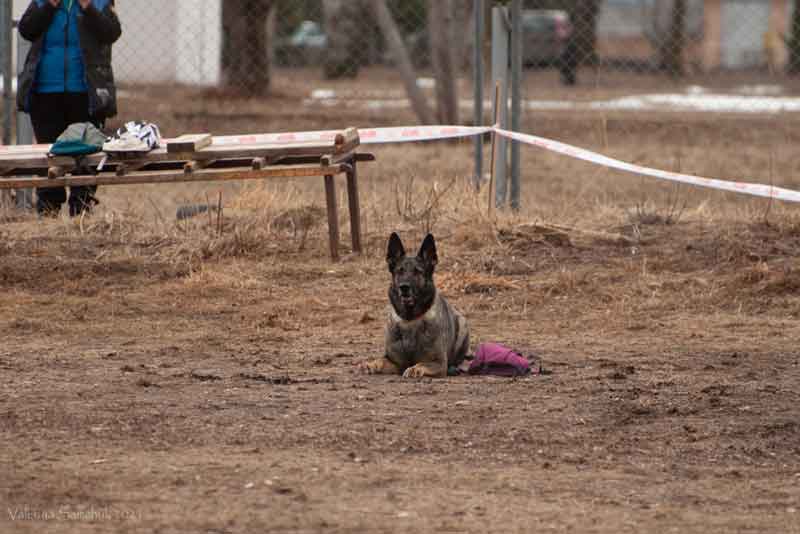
x: 127, y: 142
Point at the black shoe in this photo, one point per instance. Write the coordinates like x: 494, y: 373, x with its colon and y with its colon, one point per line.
x: 49, y: 200
x: 81, y: 200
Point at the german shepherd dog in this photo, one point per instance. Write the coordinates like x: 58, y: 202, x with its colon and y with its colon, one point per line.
x: 424, y: 334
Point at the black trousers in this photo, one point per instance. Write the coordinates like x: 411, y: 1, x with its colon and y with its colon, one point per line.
x: 51, y: 113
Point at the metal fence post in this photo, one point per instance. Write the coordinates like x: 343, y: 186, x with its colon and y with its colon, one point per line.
x: 477, y: 75
x: 500, y: 31
x: 516, y: 81
x: 6, y: 50
x: 24, y: 126
x: 477, y: 78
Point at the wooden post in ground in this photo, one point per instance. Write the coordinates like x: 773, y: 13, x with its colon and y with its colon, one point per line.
x: 353, y: 204
x: 494, y: 148
x: 333, y: 216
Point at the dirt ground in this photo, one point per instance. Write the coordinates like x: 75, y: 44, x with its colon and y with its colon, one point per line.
x: 199, y: 376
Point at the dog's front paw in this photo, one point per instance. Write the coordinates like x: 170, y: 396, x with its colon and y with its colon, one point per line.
x: 378, y: 366
x: 418, y: 371
x: 370, y: 367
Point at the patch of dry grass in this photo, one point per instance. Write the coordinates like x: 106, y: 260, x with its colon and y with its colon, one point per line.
x: 584, y: 233
x: 223, y: 345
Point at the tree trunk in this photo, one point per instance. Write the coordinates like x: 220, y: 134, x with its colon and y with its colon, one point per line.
x: 245, y: 59
x: 585, y: 24
x: 397, y: 49
x: 440, y: 30
x: 793, y: 65
x: 271, y: 32
x: 671, y: 53
x: 464, y: 34
x: 581, y: 47
x: 341, y: 27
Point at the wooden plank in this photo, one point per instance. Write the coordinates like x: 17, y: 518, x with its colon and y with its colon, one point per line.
x: 265, y: 150
x: 189, y: 143
x: 209, y: 153
x: 347, y: 142
x: 333, y: 216
x: 131, y: 164
x: 283, y: 137
x: 354, y: 207
x: 24, y: 149
x: 24, y: 161
x: 32, y: 160
x: 39, y: 158
x: 333, y: 159
x: 329, y: 158
x: 192, y: 166
x: 124, y: 168
x: 153, y: 177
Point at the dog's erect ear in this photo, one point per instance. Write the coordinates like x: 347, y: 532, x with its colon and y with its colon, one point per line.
x: 427, y: 252
x: 395, y: 251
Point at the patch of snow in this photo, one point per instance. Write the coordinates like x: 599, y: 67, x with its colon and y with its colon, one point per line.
x: 759, y: 98
x: 696, y: 90
x: 323, y: 94
x: 760, y: 90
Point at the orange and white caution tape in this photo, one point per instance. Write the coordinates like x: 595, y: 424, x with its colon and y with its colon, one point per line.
x: 367, y: 136
x: 418, y: 133
x: 429, y: 133
x: 760, y: 190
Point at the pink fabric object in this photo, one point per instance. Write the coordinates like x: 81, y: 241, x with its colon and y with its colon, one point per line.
x: 497, y: 359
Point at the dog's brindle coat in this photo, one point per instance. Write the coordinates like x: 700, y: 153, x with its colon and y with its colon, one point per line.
x: 424, y: 334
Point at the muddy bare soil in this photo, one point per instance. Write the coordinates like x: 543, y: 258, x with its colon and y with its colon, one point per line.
x: 141, y: 396
x: 158, y: 379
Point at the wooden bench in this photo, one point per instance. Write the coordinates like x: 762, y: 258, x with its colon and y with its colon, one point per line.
x: 201, y: 158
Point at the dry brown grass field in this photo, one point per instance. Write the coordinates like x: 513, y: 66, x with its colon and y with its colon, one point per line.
x: 199, y: 376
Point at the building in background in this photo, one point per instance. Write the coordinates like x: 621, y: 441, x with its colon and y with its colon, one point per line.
x: 180, y: 41
x: 629, y: 31
x: 720, y: 34
x: 165, y: 41
x: 174, y: 41
x: 745, y: 33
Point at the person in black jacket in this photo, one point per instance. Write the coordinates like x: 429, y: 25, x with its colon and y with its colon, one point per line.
x: 67, y: 78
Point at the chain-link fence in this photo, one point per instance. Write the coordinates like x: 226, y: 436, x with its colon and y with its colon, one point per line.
x: 651, y: 81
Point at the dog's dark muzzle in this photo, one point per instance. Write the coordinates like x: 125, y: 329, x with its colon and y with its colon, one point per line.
x: 405, y: 290
x: 406, y: 294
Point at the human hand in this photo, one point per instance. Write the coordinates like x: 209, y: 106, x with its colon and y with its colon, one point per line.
x: 83, y: 3
x: 55, y: 3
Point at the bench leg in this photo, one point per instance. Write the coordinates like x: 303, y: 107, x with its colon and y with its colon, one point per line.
x: 353, y: 204
x: 333, y: 216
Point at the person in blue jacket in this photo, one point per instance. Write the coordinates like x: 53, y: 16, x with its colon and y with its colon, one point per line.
x: 68, y: 78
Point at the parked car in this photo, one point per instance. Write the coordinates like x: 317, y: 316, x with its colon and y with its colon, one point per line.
x: 304, y: 46
x: 545, y: 33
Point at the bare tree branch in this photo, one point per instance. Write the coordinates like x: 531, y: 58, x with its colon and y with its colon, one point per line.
x: 397, y: 48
